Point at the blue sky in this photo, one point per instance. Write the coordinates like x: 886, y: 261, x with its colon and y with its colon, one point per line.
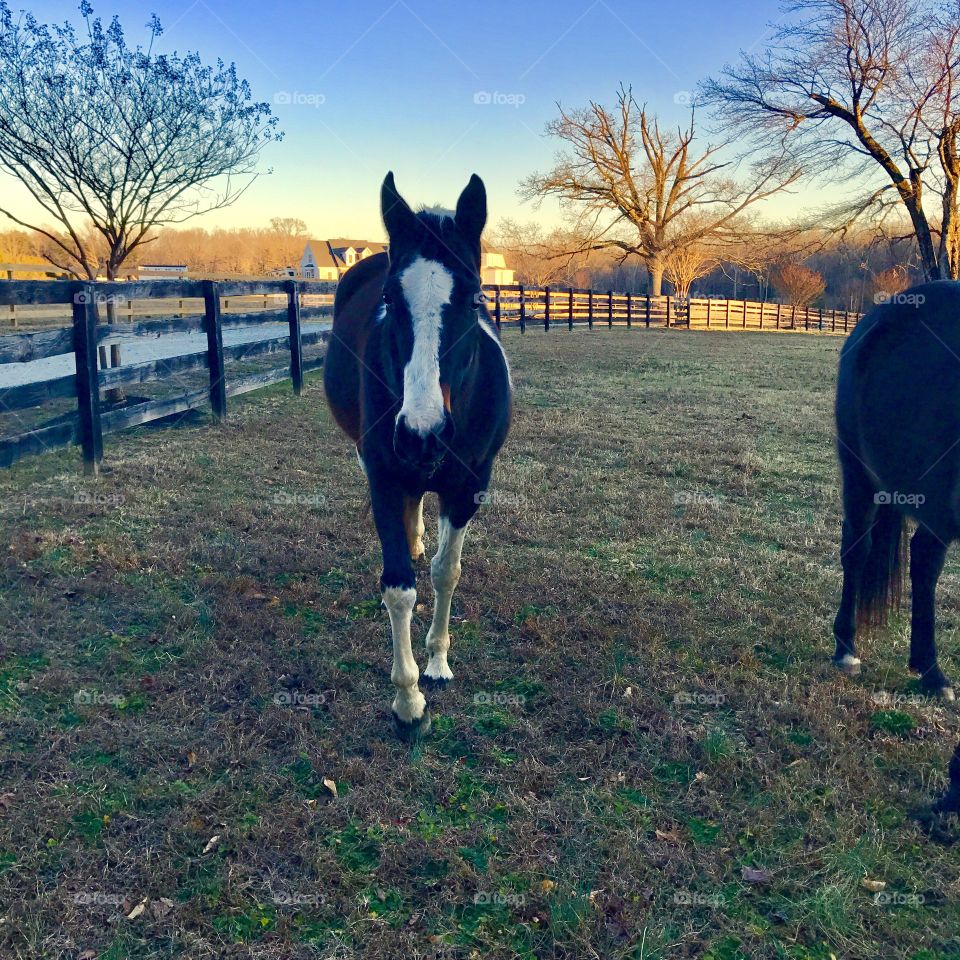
x: 361, y: 88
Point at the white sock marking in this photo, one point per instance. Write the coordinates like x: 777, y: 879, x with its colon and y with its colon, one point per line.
x: 445, y: 575
x: 427, y: 286
x: 409, y: 702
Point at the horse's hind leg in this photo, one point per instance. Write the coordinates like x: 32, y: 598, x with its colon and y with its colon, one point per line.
x: 927, y: 555
x: 859, y: 510
x: 413, y: 522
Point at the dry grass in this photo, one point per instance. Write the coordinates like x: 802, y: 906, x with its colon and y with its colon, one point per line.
x: 645, y: 753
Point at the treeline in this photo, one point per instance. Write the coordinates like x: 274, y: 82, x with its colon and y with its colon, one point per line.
x: 255, y: 251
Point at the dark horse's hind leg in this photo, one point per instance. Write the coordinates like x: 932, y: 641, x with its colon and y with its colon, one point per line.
x: 927, y: 554
x: 859, y: 511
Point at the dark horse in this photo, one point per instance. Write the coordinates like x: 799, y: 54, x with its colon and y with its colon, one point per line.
x: 416, y: 376
x: 898, y: 440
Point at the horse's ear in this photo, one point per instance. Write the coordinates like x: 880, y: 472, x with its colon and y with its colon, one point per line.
x: 472, y: 210
x: 398, y: 218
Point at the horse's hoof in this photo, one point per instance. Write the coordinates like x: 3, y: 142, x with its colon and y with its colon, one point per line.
x: 848, y: 664
x: 410, y: 731
x: 935, y: 684
x: 433, y: 683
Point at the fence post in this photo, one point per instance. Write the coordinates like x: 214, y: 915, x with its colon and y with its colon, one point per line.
x: 744, y: 314
x: 629, y: 308
x: 833, y: 321
x: 846, y: 317
x: 590, y: 308
x: 569, y: 308
x: 546, y: 308
x: 496, y: 306
x: 668, y: 310
x: 523, y: 311
x: 709, y: 303
x: 214, y: 328
x: 821, y: 319
x: 648, y: 311
x: 609, y: 309
x: 88, y: 383
x: 296, y: 345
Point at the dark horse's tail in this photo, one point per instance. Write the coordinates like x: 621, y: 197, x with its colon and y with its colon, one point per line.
x: 881, y: 582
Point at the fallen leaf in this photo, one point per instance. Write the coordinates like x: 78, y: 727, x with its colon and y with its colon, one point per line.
x: 211, y: 843
x: 330, y: 786
x: 755, y: 875
x: 874, y: 886
x: 191, y: 758
x: 160, y: 908
x: 137, y: 910
x: 670, y: 836
x: 547, y: 885
x: 88, y: 955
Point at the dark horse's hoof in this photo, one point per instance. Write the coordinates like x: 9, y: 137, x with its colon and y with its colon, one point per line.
x: 848, y: 664
x: 433, y: 683
x: 412, y: 730
x: 950, y: 801
x: 934, y: 682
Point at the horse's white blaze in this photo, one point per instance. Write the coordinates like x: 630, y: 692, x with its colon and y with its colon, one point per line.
x: 445, y: 575
x: 427, y: 286
x: 409, y: 702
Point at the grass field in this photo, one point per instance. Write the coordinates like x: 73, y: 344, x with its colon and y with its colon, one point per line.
x: 645, y: 752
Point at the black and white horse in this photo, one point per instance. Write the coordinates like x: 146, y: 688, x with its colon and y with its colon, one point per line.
x: 416, y: 376
x: 898, y: 440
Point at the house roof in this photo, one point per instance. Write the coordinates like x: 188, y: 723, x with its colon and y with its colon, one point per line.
x: 321, y: 253
x: 341, y: 243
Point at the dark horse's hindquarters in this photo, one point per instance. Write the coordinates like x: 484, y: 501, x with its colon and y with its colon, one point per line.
x: 898, y: 435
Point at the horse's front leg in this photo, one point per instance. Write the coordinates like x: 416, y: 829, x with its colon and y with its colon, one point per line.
x: 398, y: 584
x: 456, y: 511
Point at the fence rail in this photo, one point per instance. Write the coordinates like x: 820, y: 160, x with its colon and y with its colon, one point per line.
x: 549, y: 307
x: 200, y: 307
x: 210, y: 307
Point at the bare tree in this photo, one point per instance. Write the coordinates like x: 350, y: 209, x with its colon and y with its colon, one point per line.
x: 539, y: 258
x: 687, y: 264
x: 120, y: 138
x: 798, y: 284
x: 636, y: 187
x: 863, y: 92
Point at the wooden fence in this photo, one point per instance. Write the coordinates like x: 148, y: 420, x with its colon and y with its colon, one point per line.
x: 88, y: 424
x: 208, y: 306
x: 565, y: 306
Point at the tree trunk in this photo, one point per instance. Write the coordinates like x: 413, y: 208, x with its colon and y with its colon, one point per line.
x: 655, y: 269
x: 115, y: 394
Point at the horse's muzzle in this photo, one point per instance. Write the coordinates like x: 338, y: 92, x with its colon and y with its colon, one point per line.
x: 423, y: 451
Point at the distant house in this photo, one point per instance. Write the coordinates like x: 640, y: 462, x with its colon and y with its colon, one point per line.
x: 493, y: 269
x: 165, y: 271
x: 330, y: 259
